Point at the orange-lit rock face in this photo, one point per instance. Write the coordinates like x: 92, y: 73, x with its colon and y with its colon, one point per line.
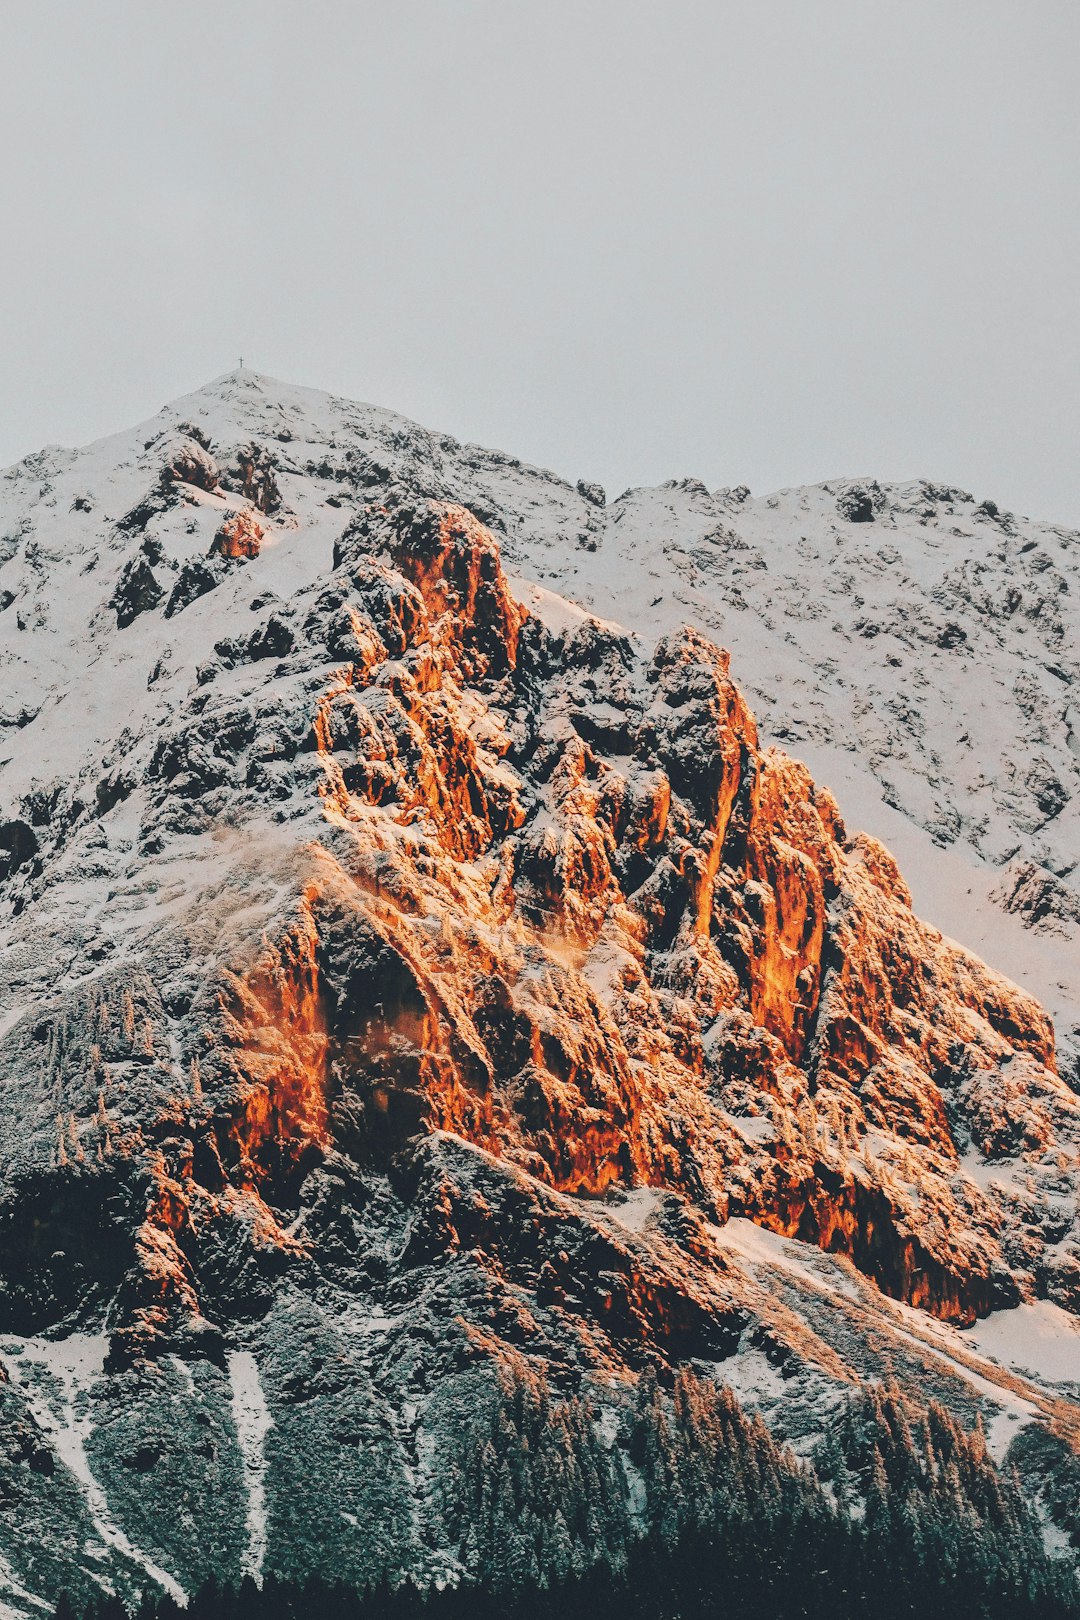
x: 544, y: 891
x: 454, y: 563
x: 568, y: 909
x: 274, y: 1023
x: 239, y: 537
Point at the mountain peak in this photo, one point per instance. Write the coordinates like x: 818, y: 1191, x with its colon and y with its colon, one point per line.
x: 423, y: 978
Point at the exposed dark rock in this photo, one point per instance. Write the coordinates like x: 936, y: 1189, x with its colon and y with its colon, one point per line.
x: 253, y: 474
x: 196, y: 577
x: 274, y: 639
x: 1046, y: 789
x: 17, y: 846
x: 593, y: 493
x: 857, y: 503
x: 192, y: 431
x: 138, y: 590
x: 152, y: 506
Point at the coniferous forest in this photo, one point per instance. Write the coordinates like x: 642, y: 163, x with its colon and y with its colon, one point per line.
x: 900, y: 1513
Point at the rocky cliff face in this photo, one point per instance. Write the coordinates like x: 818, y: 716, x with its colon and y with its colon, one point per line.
x: 408, y: 973
x: 918, y: 645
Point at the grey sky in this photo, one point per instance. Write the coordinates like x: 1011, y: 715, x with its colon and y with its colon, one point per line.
x: 765, y: 242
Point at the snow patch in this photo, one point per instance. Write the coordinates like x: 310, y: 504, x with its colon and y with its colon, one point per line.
x: 556, y: 613
x: 751, y: 1376
x: 253, y: 1422
x: 1038, y: 1338
x: 636, y: 1207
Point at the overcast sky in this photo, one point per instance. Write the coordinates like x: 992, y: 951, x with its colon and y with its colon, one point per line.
x: 762, y: 243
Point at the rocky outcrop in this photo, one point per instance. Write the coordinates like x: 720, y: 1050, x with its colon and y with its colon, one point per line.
x: 253, y: 475
x: 197, y: 576
x: 18, y: 845
x: 137, y: 591
x: 1040, y: 898
x: 858, y: 503
x: 239, y: 538
x: 190, y: 462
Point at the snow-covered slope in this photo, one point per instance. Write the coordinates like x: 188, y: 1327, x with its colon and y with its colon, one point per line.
x: 409, y: 978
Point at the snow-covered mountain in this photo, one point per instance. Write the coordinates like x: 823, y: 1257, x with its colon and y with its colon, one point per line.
x: 419, y: 974
x: 919, y: 650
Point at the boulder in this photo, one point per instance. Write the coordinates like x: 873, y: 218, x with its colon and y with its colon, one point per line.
x: 239, y: 538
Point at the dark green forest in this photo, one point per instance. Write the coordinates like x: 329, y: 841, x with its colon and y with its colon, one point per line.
x: 698, y: 1513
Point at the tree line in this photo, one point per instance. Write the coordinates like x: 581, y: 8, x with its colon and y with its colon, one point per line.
x: 698, y: 1513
